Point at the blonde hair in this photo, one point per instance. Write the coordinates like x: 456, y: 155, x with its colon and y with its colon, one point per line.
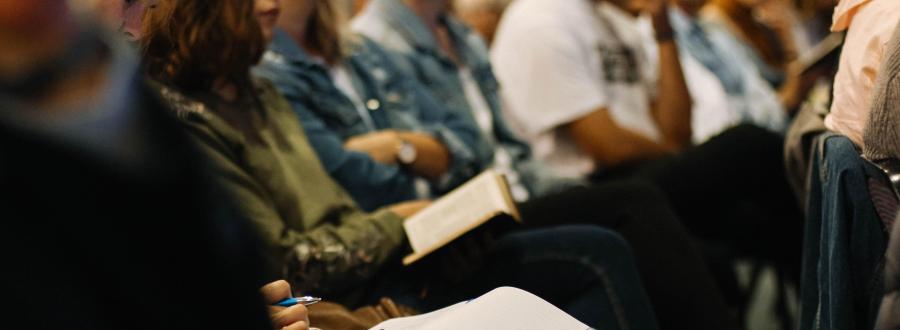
x: 326, y: 31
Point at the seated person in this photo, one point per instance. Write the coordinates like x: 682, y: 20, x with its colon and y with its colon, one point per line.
x: 749, y: 98
x: 311, y: 227
x: 605, y: 113
x: 321, y: 92
x: 89, y: 157
x: 120, y: 15
x: 765, y: 26
x: 441, y: 142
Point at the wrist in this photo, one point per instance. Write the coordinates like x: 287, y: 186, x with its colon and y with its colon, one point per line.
x: 405, y: 152
x: 662, y: 28
x: 663, y: 31
x: 664, y: 36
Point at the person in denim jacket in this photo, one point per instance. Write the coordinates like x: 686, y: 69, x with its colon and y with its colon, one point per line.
x: 392, y: 25
x: 381, y: 109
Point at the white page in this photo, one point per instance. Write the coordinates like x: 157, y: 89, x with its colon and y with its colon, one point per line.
x: 501, y: 309
x: 455, y: 212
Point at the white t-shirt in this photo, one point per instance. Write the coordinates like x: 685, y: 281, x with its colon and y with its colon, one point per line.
x: 560, y: 60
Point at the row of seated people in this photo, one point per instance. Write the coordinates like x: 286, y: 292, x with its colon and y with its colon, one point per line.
x: 346, y: 134
x: 342, y: 261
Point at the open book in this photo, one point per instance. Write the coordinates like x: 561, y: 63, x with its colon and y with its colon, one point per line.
x: 501, y: 309
x: 478, y: 201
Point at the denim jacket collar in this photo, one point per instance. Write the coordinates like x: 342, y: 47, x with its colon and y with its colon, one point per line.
x: 288, y: 50
x: 413, y: 29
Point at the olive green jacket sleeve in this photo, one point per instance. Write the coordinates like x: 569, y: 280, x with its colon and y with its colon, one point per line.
x: 333, y: 254
x: 325, y: 258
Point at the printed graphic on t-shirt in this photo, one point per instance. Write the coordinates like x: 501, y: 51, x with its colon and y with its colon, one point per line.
x: 619, y: 64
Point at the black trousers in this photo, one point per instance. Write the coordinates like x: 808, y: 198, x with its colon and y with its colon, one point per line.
x: 733, y: 193
x: 680, y: 287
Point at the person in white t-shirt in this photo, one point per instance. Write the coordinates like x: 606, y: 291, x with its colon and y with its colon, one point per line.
x: 578, y: 84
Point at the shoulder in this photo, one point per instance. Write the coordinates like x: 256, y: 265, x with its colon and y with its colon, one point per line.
x: 531, y: 22
x: 470, y: 38
x: 364, y: 46
x: 381, y: 32
x: 272, y: 99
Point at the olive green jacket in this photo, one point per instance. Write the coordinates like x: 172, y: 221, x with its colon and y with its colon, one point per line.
x: 324, y: 242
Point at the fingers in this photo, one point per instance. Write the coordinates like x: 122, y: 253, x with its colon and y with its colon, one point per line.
x: 276, y: 291
x: 292, y: 316
x: 302, y: 325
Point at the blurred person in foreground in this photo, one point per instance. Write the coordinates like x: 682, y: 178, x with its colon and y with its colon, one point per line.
x: 118, y: 15
x: 96, y: 180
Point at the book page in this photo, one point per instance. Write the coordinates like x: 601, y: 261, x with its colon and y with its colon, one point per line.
x: 501, y: 309
x: 458, y: 212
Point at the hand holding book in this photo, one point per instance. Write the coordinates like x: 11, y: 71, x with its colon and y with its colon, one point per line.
x: 470, y: 206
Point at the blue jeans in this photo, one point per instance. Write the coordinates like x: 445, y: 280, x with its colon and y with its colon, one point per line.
x: 844, y: 241
x: 584, y: 270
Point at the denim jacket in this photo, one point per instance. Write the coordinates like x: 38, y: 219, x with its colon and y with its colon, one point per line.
x: 329, y: 118
x: 394, y: 26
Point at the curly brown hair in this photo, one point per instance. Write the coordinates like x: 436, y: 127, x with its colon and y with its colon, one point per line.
x: 191, y: 44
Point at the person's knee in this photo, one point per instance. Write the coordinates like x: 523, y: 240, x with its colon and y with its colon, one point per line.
x: 640, y: 192
x: 597, y: 243
x: 758, y: 135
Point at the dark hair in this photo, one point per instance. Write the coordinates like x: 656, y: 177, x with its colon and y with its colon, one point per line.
x: 189, y: 44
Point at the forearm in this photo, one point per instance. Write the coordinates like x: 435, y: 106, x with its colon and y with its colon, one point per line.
x: 672, y: 108
x: 628, y: 148
x: 433, y: 159
x: 463, y: 162
x: 331, y: 258
x: 359, y: 175
x: 598, y: 135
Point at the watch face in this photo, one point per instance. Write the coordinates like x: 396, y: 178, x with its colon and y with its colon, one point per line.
x: 407, y: 153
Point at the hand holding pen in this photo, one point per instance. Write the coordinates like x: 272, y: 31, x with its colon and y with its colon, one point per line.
x: 286, y: 313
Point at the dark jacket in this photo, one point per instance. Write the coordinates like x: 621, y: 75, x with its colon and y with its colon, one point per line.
x: 889, y: 314
x: 94, y: 239
x: 313, y: 231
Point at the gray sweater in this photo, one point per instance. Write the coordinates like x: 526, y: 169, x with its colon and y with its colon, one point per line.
x: 881, y: 137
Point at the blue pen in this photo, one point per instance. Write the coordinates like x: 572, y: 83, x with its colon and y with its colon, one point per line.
x: 306, y: 301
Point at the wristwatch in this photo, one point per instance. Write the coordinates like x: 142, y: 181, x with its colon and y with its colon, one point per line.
x: 406, y: 153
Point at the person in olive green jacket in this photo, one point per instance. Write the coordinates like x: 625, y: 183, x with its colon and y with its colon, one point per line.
x: 258, y: 151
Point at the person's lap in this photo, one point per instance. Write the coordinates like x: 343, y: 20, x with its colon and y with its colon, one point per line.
x: 672, y: 269
x: 731, y: 189
x: 585, y: 270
